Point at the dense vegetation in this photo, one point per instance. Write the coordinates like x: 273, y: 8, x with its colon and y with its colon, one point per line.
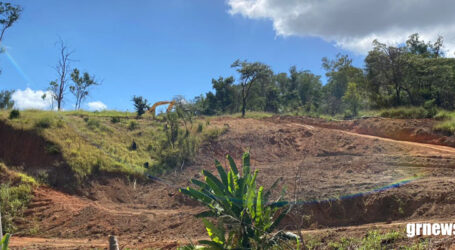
x: 413, y: 74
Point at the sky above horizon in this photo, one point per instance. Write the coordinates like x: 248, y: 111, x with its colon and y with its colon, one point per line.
x: 160, y: 49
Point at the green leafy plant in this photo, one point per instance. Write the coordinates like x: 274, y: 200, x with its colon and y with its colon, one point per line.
x: 5, y: 242
x: 245, y: 218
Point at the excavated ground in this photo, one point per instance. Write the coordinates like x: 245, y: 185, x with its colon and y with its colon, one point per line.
x: 355, y: 175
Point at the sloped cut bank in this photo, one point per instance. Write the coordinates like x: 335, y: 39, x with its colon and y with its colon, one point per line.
x: 36, y: 156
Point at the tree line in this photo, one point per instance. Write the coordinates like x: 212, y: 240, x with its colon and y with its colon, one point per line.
x: 416, y: 73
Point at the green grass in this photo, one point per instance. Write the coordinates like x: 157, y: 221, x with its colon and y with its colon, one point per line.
x: 406, y: 113
x: 15, y: 195
x: 92, y: 144
x: 446, y: 124
x: 373, y: 239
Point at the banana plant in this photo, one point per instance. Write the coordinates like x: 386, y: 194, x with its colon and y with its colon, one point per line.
x: 239, y: 206
x: 5, y: 242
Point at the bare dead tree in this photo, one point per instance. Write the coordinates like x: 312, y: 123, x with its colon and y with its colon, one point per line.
x: 59, y: 86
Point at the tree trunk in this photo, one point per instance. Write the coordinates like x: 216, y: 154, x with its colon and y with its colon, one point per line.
x: 243, y: 108
x: 398, y: 100
x: 243, y: 100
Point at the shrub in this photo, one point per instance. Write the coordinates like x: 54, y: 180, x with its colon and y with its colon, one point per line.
x: 52, y: 148
x: 93, y: 123
x: 239, y: 207
x: 60, y: 123
x: 200, y: 127
x: 45, y: 122
x: 132, y: 125
x: 115, y: 119
x: 14, y: 114
x: 348, y: 114
x: 13, y: 201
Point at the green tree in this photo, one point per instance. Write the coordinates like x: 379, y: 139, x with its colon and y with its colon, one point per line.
x: 140, y: 104
x: 80, y: 86
x: 339, y: 72
x: 352, y: 98
x: 9, y: 14
x: 410, y: 74
x: 225, y: 94
x: 5, y: 99
x: 272, y: 99
x: 250, y: 74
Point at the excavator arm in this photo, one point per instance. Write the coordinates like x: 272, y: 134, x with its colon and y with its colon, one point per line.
x: 169, y: 108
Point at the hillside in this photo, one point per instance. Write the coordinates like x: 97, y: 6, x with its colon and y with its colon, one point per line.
x: 66, y: 149
x: 340, y: 173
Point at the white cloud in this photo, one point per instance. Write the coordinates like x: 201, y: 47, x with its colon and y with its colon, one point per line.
x: 31, y: 99
x: 96, y: 105
x: 354, y: 24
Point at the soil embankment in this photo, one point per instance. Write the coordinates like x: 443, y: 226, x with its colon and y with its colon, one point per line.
x: 339, y: 174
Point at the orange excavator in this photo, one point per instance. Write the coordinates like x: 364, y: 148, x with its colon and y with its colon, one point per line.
x: 169, y: 108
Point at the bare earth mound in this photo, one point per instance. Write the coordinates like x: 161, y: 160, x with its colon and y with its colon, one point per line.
x: 340, y: 174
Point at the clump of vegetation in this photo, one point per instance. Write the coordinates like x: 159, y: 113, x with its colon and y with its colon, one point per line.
x: 407, y: 113
x: 373, y: 239
x: 132, y: 125
x: 446, y: 124
x: 93, y: 123
x: 446, y: 127
x: 244, y: 217
x: 200, y: 127
x: 43, y: 123
x: 176, y: 146
x: 14, y: 198
x: 115, y: 119
x: 14, y: 114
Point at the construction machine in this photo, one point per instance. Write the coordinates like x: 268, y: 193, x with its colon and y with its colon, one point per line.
x: 169, y: 108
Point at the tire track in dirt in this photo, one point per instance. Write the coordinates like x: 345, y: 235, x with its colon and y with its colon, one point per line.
x: 417, y: 144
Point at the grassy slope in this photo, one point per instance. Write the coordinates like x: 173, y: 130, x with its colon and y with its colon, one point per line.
x: 15, y: 194
x: 91, y: 141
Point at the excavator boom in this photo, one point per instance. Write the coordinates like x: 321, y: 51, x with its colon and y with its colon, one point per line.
x: 169, y: 108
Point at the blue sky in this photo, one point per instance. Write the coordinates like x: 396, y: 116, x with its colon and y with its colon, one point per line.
x: 157, y: 49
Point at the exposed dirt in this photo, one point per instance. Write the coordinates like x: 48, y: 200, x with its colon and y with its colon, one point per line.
x: 341, y: 173
x: 30, y: 153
